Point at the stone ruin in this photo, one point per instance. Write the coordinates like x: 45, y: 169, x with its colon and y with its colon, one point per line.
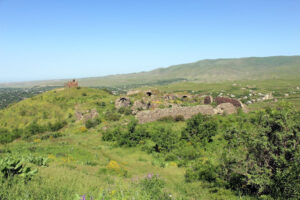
x: 234, y: 102
x: 86, y: 115
x: 186, y: 112
x: 122, y: 102
x: 133, y: 92
x: 225, y: 108
x: 169, y: 97
x: 71, y: 84
x: 208, y: 100
x: 149, y: 93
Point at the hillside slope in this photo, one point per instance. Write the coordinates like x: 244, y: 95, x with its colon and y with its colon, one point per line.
x: 217, y: 70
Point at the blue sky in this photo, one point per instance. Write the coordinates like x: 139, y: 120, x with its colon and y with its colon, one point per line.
x: 53, y: 39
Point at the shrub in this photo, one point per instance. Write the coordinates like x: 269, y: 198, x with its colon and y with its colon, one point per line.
x: 262, y: 157
x: 125, y: 111
x: 83, y: 129
x: 39, y: 161
x: 153, y: 186
x: 34, y: 128
x: 179, y: 118
x: 200, y: 128
x: 7, y: 136
x: 112, y: 116
x: 10, y: 167
x: 133, y: 135
x: 92, y: 123
x: 165, y: 138
x: 56, y: 126
x: 202, y: 170
x: 111, y: 134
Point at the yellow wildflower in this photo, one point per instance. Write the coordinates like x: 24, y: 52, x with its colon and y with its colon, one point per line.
x: 37, y: 140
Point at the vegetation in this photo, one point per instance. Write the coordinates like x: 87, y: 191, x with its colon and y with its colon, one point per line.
x: 53, y: 147
x: 13, y: 95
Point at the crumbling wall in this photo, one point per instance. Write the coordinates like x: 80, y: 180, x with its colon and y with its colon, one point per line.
x: 122, y: 102
x: 208, y: 100
x: 234, y: 102
x: 71, y: 84
x: 186, y: 112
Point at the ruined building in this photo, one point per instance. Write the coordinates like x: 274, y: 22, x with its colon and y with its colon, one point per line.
x: 71, y: 84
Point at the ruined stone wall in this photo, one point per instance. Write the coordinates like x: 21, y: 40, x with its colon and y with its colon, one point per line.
x: 71, y: 84
x: 186, y: 112
x: 208, y: 100
x: 234, y: 102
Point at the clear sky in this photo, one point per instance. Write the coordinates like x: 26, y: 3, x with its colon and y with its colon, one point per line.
x: 53, y: 39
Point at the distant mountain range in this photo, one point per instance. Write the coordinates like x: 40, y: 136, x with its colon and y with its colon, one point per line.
x: 216, y: 70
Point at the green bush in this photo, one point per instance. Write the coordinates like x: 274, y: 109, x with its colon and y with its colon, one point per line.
x: 6, y: 136
x: 262, y: 156
x: 200, y: 128
x: 91, y: 123
x: 165, y: 138
x: 125, y: 111
x: 112, y: 116
x: 133, y: 135
x: 205, y: 171
x: 39, y: 161
x: 153, y: 186
x: 111, y: 134
x: 11, y: 166
x: 56, y: 126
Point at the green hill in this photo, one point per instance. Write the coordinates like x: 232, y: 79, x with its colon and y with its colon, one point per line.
x: 218, y: 70
x: 52, y: 148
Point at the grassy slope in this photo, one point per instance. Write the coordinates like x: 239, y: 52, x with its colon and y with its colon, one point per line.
x: 253, y: 68
x: 79, y: 159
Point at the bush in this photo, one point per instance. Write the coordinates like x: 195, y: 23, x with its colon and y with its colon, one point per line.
x: 56, y: 126
x: 6, y: 136
x: 125, y: 111
x: 200, y: 128
x: 133, y: 135
x: 10, y: 167
x: 202, y: 170
x: 111, y: 134
x: 92, y: 123
x: 34, y: 128
x: 262, y: 156
x: 165, y: 138
x: 112, y: 116
x: 153, y: 186
x: 179, y: 118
